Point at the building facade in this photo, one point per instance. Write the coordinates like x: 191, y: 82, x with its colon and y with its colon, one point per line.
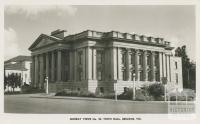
x: 18, y: 66
x: 96, y: 61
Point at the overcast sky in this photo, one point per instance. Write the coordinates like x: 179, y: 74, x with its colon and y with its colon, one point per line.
x: 23, y: 24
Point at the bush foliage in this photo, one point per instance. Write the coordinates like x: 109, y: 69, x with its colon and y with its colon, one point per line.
x: 67, y: 92
x: 156, y: 90
x: 145, y: 93
x: 29, y: 89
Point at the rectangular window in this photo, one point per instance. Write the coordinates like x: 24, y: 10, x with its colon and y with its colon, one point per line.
x: 176, y: 65
x: 140, y: 59
x: 123, y: 58
x: 156, y: 60
x: 99, y: 75
x: 132, y: 59
x: 99, y: 57
x: 176, y: 78
x: 80, y: 57
x: 80, y: 76
x: 157, y: 76
x: 124, y: 75
x: 141, y: 75
x: 148, y: 60
x: 149, y: 75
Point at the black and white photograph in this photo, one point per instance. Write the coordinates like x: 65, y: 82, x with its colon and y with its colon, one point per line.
x: 100, y: 59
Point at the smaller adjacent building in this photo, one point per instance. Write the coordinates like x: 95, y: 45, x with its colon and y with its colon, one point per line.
x: 18, y: 66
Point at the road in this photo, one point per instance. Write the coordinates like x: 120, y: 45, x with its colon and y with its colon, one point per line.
x: 26, y: 104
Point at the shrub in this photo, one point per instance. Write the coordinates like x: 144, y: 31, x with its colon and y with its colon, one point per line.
x: 156, y: 90
x: 87, y: 94
x: 140, y: 94
x: 67, y: 92
x: 126, y: 95
x: 161, y: 98
x: 30, y: 89
x: 12, y: 93
x: 63, y: 93
x: 143, y: 95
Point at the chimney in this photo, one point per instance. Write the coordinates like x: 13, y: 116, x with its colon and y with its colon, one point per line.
x: 58, y: 33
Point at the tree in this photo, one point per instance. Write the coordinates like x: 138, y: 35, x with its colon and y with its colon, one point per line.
x: 5, y: 82
x: 12, y: 80
x: 186, y: 65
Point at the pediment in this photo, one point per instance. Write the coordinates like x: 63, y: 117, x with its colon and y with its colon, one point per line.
x: 42, y: 40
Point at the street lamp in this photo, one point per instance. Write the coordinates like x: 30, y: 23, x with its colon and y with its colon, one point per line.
x: 47, y: 85
x: 115, y: 88
x: 133, y: 86
x: 176, y: 93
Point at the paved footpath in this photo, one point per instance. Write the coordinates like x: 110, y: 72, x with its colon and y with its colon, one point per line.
x: 37, y: 103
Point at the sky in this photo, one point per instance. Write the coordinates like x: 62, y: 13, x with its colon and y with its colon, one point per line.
x: 23, y: 24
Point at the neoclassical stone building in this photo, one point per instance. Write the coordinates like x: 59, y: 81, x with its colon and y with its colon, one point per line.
x: 95, y: 61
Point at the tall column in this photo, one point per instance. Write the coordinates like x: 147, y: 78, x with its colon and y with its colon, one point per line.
x: 47, y: 65
x: 152, y: 65
x: 75, y: 65
x: 168, y: 74
x: 59, y: 65
x: 164, y: 65
x: 94, y: 63
x: 41, y: 85
x: 52, y: 66
x: 71, y: 64
x: 128, y: 58
x: 105, y: 65
x: 84, y: 64
x: 136, y: 65
x: 170, y: 78
x: 160, y: 66
x: 118, y: 62
x: 145, y: 65
x: 114, y: 63
x: 88, y: 63
x: 33, y: 71
x: 36, y: 71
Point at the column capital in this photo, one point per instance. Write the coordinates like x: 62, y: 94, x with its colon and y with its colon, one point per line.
x: 136, y: 51
x: 152, y: 52
x: 144, y: 51
x: 131, y: 51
